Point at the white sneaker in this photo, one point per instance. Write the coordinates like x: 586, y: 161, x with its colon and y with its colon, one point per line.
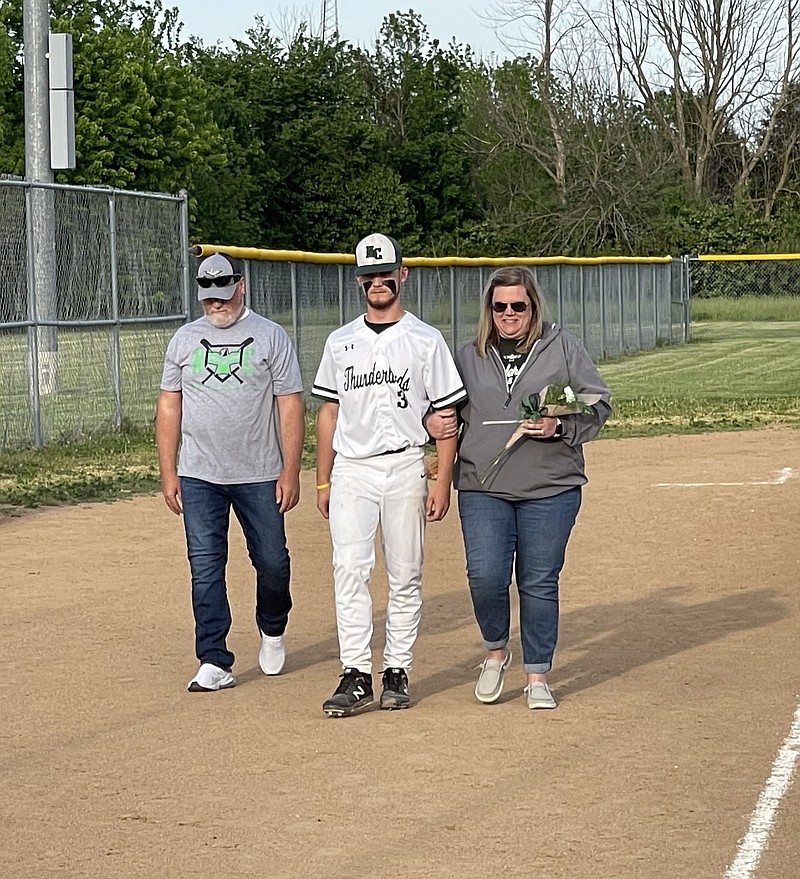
x: 272, y: 655
x: 209, y: 678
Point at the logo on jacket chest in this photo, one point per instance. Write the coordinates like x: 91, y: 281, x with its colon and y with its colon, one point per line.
x: 512, y: 370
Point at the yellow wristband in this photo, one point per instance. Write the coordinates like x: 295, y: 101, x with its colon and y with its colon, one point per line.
x: 324, y: 485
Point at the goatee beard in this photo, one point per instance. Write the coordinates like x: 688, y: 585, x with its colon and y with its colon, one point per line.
x: 382, y: 306
x: 222, y: 320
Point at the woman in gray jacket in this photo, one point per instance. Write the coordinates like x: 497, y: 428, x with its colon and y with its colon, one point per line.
x: 518, y: 515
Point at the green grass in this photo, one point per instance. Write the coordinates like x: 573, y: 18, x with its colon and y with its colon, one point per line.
x: 732, y: 376
x: 747, y: 308
x: 104, y: 468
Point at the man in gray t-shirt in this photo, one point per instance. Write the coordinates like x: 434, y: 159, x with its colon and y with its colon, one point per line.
x: 229, y: 431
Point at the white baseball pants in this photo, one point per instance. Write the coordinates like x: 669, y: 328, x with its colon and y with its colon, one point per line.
x: 390, y: 491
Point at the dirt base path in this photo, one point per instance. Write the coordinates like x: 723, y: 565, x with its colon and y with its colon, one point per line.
x: 678, y: 673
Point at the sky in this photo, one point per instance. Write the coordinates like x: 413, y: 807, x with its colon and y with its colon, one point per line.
x: 359, y: 20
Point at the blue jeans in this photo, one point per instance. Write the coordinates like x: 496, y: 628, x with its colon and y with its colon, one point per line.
x: 206, y: 518
x: 531, y: 537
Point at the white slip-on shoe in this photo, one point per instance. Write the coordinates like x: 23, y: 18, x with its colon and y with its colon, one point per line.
x: 490, y: 682
x: 209, y: 678
x: 539, y: 696
x: 272, y: 655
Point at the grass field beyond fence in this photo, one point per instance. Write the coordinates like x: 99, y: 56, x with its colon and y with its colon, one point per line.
x: 733, y: 376
x: 746, y: 308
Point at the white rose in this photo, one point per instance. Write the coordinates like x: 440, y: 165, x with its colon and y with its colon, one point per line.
x: 569, y: 394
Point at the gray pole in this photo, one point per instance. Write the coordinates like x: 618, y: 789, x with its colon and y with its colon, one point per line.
x: 116, y: 342
x: 686, y: 296
x: 33, y: 341
x: 453, y: 311
x: 340, y: 276
x: 186, y: 271
x: 295, y: 307
x: 602, y: 286
x: 36, y: 29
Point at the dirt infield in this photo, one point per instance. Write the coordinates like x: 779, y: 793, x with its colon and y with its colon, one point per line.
x: 678, y: 673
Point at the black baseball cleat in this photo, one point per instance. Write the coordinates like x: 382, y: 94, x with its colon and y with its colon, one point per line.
x: 353, y: 694
x: 395, y: 689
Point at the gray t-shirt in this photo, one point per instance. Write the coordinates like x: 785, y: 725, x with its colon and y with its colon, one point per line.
x: 229, y: 379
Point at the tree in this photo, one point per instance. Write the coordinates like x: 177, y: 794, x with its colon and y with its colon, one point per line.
x: 297, y: 112
x: 722, y: 65
x: 230, y: 190
x: 12, y: 110
x: 141, y: 119
x: 415, y: 101
x: 598, y: 188
x: 776, y: 179
x: 513, y: 171
x: 676, y: 105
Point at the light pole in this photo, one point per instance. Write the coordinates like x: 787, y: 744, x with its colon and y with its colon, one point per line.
x: 40, y: 204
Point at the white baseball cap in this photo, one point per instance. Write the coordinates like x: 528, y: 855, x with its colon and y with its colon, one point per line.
x: 218, y: 276
x: 377, y: 253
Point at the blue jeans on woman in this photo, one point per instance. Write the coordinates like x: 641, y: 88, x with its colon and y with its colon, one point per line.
x: 206, y: 519
x: 530, y: 537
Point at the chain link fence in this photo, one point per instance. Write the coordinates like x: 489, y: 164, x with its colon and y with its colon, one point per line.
x: 614, y: 307
x: 735, y: 276
x: 93, y: 282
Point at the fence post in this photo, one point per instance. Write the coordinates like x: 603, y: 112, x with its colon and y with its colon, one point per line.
x: 33, y: 328
x: 340, y: 273
x: 116, y: 354
x: 248, y: 294
x: 559, y: 298
x: 482, y: 281
x: 602, y: 285
x: 639, y: 307
x: 654, y: 280
x: 584, y: 335
x: 621, y: 312
x: 687, y: 298
x: 295, y: 316
x: 453, y: 309
x: 186, y: 279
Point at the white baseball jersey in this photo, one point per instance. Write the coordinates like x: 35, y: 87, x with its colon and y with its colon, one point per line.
x: 384, y: 384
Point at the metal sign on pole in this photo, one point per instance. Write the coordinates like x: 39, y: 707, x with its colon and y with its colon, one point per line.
x: 62, y: 103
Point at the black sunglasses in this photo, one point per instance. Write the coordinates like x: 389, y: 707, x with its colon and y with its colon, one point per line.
x: 517, y: 307
x: 219, y: 281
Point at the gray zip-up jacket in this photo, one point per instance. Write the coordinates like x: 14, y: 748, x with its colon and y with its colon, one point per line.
x: 535, y: 468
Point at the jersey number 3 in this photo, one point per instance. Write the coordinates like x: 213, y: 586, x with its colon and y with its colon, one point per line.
x: 402, y: 400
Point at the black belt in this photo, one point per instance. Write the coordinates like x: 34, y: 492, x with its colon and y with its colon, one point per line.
x: 395, y: 451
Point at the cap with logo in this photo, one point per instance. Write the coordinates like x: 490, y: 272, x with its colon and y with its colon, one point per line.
x: 377, y: 253
x: 218, y: 276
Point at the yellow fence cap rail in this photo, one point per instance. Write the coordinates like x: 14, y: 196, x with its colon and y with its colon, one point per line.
x: 254, y: 253
x: 743, y: 257
x: 258, y: 253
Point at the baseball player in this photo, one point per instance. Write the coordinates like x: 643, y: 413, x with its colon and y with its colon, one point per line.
x: 379, y: 375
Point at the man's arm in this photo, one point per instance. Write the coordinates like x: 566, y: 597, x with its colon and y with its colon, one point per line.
x: 326, y: 427
x: 442, y: 423
x: 168, y: 437
x: 290, y: 410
